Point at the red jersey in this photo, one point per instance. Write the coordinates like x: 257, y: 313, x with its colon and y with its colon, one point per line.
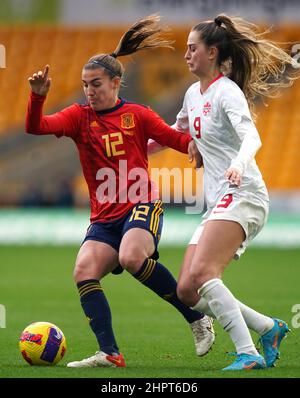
x: 112, y: 146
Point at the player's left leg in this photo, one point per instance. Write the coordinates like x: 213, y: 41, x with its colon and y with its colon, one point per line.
x: 135, y: 251
x: 271, y: 330
x: 217, y: 244
x: 203, y: 331
x: 138, y: 245
x: 96, y: 259
x: 136, y: 248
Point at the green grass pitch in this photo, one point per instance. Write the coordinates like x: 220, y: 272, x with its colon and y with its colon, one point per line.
x: 36, y: 285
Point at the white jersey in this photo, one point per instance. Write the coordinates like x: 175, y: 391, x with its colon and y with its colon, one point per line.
x: 220, y: 122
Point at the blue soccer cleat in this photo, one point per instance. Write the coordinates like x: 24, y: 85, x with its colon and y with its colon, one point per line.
x: 247, y: 362
x: 271, y: 340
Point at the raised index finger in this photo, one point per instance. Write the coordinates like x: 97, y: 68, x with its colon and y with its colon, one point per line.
x: 45, y: 72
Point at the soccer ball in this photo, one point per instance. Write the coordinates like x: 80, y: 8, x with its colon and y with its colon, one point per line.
x: 42, y: 343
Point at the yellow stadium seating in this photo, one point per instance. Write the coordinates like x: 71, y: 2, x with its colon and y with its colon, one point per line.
x: 30, y: 48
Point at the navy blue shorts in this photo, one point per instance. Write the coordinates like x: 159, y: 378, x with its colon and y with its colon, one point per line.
x: 148, y: 216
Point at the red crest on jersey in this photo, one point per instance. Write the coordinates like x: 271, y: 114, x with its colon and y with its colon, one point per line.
x: 206, y: 108
x: 127, y: 121
x: 94, y: 124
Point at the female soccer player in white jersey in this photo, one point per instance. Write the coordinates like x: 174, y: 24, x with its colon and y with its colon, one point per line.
x: 234, y: 64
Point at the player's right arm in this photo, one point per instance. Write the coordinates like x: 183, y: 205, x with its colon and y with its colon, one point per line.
x: 65, y: 122
x: 181, y: 124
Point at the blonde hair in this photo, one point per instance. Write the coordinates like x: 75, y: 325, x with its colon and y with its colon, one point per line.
x: 257, y: 65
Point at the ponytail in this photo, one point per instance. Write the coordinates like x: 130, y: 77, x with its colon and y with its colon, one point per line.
x: 144, y: 34
x: 258, y: 66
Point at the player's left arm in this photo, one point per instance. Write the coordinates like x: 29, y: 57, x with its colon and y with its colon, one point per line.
x: 181, y: 124
x: 157, y: 129
x: 161, y: 132
x: 237, y: 110
x: 65, y: 122
x: 154, y: 147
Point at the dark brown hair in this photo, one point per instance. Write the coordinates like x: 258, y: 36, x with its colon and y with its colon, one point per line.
x: 255, y: 64
x: 143, y: 35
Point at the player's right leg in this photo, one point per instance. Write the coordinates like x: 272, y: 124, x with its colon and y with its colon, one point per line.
x: 271, y: 330
x: 216, y: 247
x: 202, y: 329
x: 95, y: 260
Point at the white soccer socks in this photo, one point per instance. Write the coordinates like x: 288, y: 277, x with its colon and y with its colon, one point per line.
x: 202, y: 306
x: 226, y: 310
x: 260, y: 323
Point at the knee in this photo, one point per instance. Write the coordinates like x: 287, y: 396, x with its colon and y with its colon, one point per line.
x: 181, y: 290
x: 81, y: 271
x: 131, y: 260
x: 201, y: 272
x: 185, y: 292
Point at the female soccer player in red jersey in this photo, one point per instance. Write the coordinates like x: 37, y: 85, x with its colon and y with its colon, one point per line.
x: 234, y: 64
x: 111, y: 135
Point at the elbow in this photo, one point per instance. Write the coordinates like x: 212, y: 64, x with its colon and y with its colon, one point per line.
x: 256, y: 139
x: 28, y: 125
x: 30, y: 129
x: 31, y: 124
x: 259, y: 144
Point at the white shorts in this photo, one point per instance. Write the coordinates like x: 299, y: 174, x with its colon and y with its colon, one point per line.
x: 245, y: 208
